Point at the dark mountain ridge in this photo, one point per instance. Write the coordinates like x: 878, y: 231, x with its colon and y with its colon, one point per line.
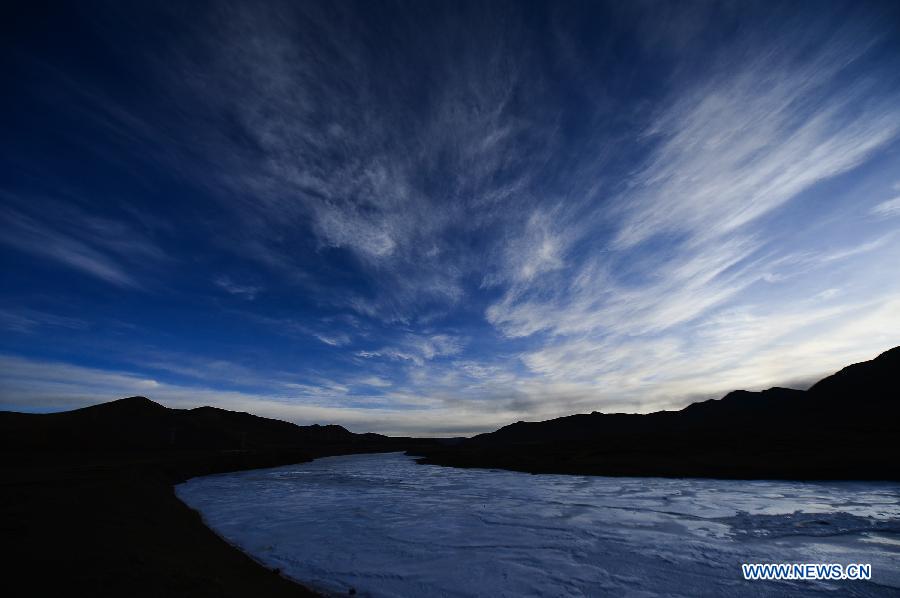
x: 95, y: 485
x: 844, y: 427
x: 137, y: 423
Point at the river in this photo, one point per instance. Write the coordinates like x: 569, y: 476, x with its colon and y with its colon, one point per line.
x: 383, y: 525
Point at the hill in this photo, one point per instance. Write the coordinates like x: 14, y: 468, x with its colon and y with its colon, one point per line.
x: 88, y: 504
x: 137, y: 423
x: 844, y: 427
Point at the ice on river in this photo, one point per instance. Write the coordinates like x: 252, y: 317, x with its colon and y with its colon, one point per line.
x: 386, y: 526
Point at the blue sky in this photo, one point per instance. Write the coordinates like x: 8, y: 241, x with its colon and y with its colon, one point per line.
x: 439, y: 218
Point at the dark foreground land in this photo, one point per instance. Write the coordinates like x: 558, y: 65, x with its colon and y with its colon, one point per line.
x: 845, y: 427
x: 100, y: 518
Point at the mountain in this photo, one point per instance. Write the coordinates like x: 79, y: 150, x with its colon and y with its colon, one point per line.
x: 91, y: 490
x: 137, y: 423
x: 844, y: 427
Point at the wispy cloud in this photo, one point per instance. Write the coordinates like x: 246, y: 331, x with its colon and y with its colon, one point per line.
x: 26, y: 234
x: 101, y: 247
x: 891, y: 207
x: 245, y: 291
x: 30, y: 320
x: 335, y: 340
x: 728, y: 153
x: 418, y: 348
x: 375, y: 381
x: 331, y: 155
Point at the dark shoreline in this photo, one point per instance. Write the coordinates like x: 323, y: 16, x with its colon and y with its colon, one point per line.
x: 584, y: 461
x: 111, y: 525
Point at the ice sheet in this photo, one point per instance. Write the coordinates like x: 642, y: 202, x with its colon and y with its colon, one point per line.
x: 386, y: 526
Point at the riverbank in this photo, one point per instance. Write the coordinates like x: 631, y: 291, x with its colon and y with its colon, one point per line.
x: 110, y: 525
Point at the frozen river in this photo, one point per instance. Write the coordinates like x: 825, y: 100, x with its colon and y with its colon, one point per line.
x: 385, y: 526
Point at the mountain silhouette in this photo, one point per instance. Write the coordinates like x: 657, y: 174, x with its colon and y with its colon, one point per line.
x: 137, y: 423
x: 842, y: 427
x: 95, y: 485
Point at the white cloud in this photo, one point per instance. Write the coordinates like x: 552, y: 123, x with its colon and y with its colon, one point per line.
x: 244, y: 291
x: 891, y: 207
x: 418, y: 348
x: 334, y: 340
x: 30, y: 320
x: 106, y: 249
x: 375, y: 381
x: 28, y: 235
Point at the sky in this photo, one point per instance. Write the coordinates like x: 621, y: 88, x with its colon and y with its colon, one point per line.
x: 438, y: 218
